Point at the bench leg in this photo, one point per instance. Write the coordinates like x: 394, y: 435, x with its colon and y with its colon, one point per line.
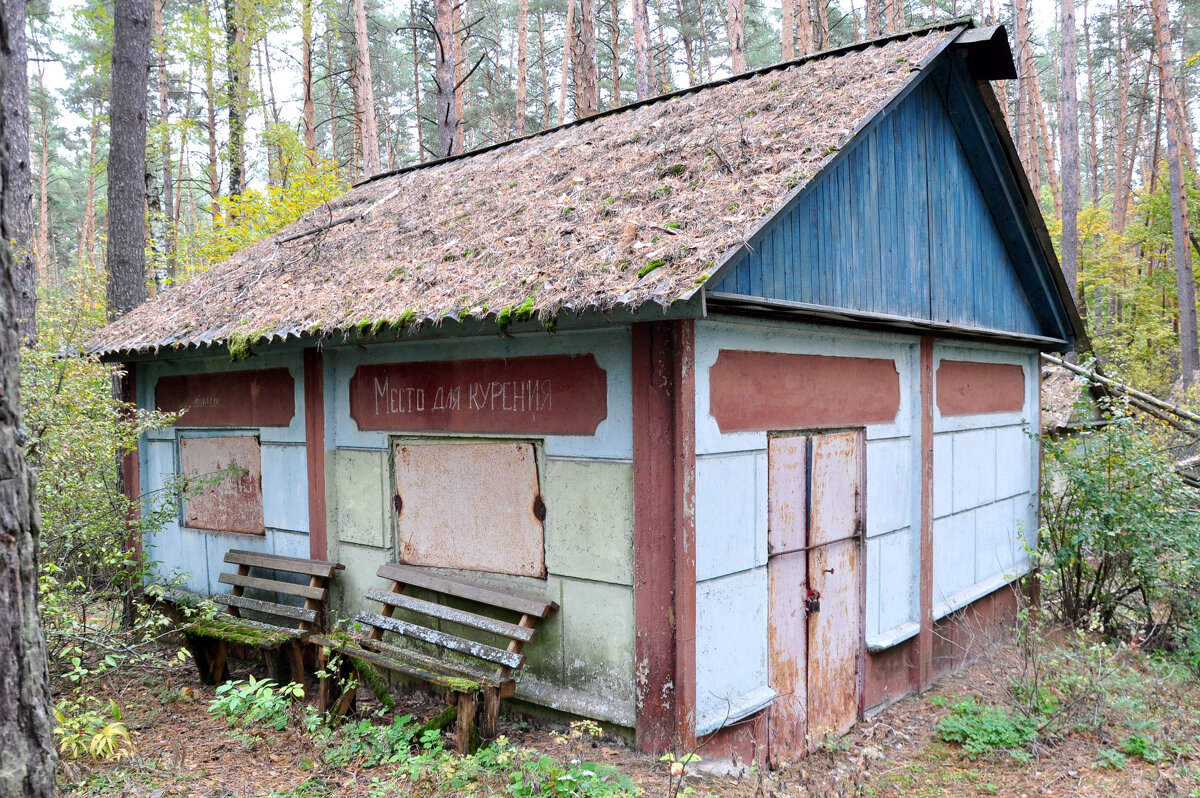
x: 465, y: 730
x: 217, y: 671
x: 295, y: 655
x: 490, y: 713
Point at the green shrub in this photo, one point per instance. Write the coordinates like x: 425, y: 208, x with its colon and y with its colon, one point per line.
x: 982, y: 729
x: 1119, y: 547
x: 255, y: 701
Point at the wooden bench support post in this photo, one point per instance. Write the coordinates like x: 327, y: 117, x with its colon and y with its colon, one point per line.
x: 490, y: 715
x: 466, y: 722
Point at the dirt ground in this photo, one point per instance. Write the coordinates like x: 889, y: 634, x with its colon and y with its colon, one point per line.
x: 182, y: 750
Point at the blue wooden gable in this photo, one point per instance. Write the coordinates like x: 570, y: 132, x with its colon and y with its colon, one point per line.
x: 919, y: 219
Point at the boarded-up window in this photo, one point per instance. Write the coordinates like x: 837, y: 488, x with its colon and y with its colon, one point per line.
x: 475, y: 506
x: 228, y: 474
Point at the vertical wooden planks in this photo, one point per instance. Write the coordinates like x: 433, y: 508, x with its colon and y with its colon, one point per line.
x: 314, y: 443
x: 787, y: 578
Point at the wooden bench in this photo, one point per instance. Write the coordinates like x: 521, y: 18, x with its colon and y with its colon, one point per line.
x: 473, y: 674
x: 287, y: 627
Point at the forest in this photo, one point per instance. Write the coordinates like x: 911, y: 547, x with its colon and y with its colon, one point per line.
x: 151, y: 139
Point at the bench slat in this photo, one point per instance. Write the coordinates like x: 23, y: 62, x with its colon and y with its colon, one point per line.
x: 278, y: 562
x: 506, y: 599
x: 290, y: 588
x: 267, y: 607
x: 441, y: 665
x: 481, y: 622
x: 478, y: 650
x: 431, y: 675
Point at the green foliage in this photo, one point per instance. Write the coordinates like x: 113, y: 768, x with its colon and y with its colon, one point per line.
x: 982, y: 729
x: 257, y: 701
x: 1144, y: 748
x: 97, y: 733
x: 1120, y: 543
x: 1111, y: 759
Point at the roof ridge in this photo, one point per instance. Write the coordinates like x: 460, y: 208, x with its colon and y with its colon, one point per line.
x: 820, y: 55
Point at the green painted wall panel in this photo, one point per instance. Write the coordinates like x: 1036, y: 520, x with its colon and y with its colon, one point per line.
x: 357, y: 505
x: 598, y: 638
x: 589, y: 520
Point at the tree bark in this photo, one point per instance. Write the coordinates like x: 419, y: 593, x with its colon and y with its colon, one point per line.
x: 1069, y: 146
x: 685, y: 36
x: 416, y: 76
x: 874, y: 18
x: 614, y: 40
x: 587, y: 87
x: 366, y: 92
x: 568, y: 50
x: 522, y: 64
x: 331, y: 84
x: 14, y: 94
x: 164, y: 144
x: 214, y: 164
x: 544, y: 70
x: 27, y: 766
x: 704, y: 40
x: 787, y: 29
x: 447, y: 109
x: 804, y: 28
x: 306, y: 80
x: 1189, y: 347
x: 736, y: 25
x: 41, y: 245
x: 1093, y: 136
x: 459, y: 56
x: 641, y: 48
x: 236, y: 94
x: 127, y: 158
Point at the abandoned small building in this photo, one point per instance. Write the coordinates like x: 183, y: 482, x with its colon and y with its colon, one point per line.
x: 745, y: 378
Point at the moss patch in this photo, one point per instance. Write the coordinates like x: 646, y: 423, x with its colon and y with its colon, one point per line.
x: 229, y: 630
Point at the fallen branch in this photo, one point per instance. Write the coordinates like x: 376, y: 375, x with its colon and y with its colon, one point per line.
x: 1123, y: 389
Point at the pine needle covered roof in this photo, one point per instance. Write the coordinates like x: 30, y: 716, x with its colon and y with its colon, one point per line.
x: 628, y: 208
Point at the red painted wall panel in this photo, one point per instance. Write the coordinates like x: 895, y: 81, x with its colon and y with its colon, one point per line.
x: 550, y: 394
x: 314, y: 449
x: 966, y: 387
x: 258, y: 398
x: 750, y: 391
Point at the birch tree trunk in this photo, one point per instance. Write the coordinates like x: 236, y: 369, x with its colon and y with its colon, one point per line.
x: 736, y: 25
x: 1068, y: 146
x: 1189, y: 347
x: 641, y: 48
x: 235, y: 95
x: 18, y: 212
x: 306, y: 80
x: 447, y: 108
x: 522, y: 63
x: 127, y: 158
x: 366, y: 92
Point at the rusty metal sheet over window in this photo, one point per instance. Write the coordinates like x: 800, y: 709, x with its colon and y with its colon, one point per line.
x: 233, y: 504
x: 475, y: 506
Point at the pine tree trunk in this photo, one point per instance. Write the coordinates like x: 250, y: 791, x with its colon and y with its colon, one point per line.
x: 544, y: 70
x: 41, y: 246
x: 736, y: 25
x: 366, y: 92
x: 895, y: 15
x: 27, y: 767
x: 522, y: 64
x: 447, y: 108
x: 1069, y: 146
x: 804, y: 28
x: 164, y: 145
x: 641, y: 49
x: 214, y: 164
x: 662, y: 49
x: 14, y: 95
x: 127, y: 158
x: 874, y: 18
x: 1122, y: 161
x: 689, y: 55
x: 787, y: 29
x: 1093, y: 137
x: 822, y: 12
x: 306, y: 80
x: 459, y: 39
x: 587, y: 87
x: 87, y: 230
x: 331, y: 84
x: 568, y: 50
x: 1189, y: 347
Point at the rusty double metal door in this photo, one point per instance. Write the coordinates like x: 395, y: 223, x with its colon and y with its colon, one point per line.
x: 814, y: 540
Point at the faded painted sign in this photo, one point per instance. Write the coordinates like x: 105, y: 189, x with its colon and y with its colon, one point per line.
x: 551, y: 394
x: 771, y: 391
x: 258, y: 398
x: 233, y: 502
x: 475, y: 506
x: 966, y: 387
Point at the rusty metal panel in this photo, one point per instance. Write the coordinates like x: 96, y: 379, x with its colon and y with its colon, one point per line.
x: 235, y: 503
x: 834, y: 633
x: 256, y: 398
x: 787, y: 579
x: 546, y: 394
x: 475, y: 506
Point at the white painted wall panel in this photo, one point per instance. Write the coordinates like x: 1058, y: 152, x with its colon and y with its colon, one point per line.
x: 889, y: 485
x: 1012, y: 461
x: 943, y: 475
x: 953, y: 554
x: 285, y: 487
x: 995, y: 532
x: 726, y: 515
x: 731, y: 638
x: 974, y: 468
x: 897, y: 554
